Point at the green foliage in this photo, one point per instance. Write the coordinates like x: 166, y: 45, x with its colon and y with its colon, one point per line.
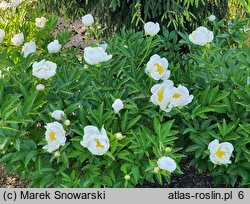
x: 220, y: 74
x: 86, y: 94
x: 217, y: 74
x: 180, y: 14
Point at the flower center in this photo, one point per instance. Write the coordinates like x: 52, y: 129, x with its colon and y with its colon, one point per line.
x: 176, y: 95
x: 98, y: 144
x: 160, y: 95
x: 52, y: 136
x: 159, y: 68
x: 220, y: 153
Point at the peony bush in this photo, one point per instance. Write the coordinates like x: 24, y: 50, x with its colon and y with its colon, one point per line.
x: 124, y: 111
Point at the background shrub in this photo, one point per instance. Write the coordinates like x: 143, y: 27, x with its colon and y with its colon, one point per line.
x: 180, y: 14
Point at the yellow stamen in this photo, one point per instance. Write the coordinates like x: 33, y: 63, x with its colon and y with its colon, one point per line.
x: 160, y: 95
x: 98, y: 144
x: 52, y: 136
x: 176, y: 95
x: 160, y: 69
x: 220, y: 153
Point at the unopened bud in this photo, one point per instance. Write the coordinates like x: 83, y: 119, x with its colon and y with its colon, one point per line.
x: 156, y: 170
x: 67, y: 122
x: 127, y: 177
x: 40, y: 87
x: 57, y: 154
x: 168, y: 149
x: 118, y: 136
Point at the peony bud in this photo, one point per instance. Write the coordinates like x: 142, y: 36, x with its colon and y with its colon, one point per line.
x: 168, y: 149
x: 67, y: 122
x: 156, y: 170
x: 119, y: 136
x: 40, y: 87
x: 87, y: 20
x: 127, y: 177
x: 57, y: 154
x: 117, y: 105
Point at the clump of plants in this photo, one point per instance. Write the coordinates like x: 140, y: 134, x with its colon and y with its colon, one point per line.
x: 128, y: 109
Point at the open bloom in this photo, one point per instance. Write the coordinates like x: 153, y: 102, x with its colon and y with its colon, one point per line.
x: 96, y: 141
x: 220, y: 153
x: 2, y: 35
x: 201, y: 36
x: 117, y: 105
x: 87, y: 20
x: 18, y: 39
x: 54, y: 46
x: 211, y: 18
x: 44, y: 69
x: 161, y: 94
x: 15, y: 3
x: 40, y: 22
x: 180, y: 96
x: 157, y: 68
x: 95, y: 55
x: 166, y: 163
x: 104, y: 45
x: 55, y: 136
x: 151, y: 28
x: 4, y: 5
x: 28, y: 48
x: 58, y: 114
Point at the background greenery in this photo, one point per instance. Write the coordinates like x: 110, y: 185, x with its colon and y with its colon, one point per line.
x: 180, y: 14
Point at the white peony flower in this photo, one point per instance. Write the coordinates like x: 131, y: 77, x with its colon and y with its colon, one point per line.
x: 58, y: 114
x: 151, y: 28
x: 2, y: 35
x: 95, y: 55
x: 96, y: 141
x: 44, y: 69
x: 220, y: 153
x: 15, y: 3
x: 180, y: 96
x: 211, y: 18
x: 104, y: 45
x: 28, y: 48
x: 18, y: 39
x: 117, y: 105
x: 157, y: 68
x: 4, y: 5
x: 54, y: 46
x: 40, y: 22
x: 167, y: 163
x: 87, y: 20
x: 161, y: 94
x: 55, y: 136
x: 40, y: 87
x: 201, y: 36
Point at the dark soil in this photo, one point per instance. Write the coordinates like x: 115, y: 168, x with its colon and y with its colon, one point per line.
x: 11, y: 180
x: 190, y: 178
